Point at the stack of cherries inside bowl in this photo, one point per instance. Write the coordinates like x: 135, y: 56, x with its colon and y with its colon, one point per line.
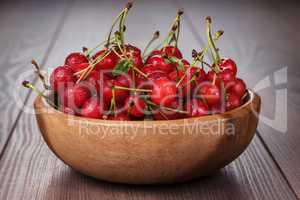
x: 119, y: 82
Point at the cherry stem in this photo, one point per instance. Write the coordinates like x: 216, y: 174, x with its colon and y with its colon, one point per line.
x: 122, y: 22
x: 155, y: 37
x: 113, y: 101
x: 211, y: 44
x: 200, y: 56
x: 166, y: 108
x: 90, y: 51
x: 85, y: 72
x: 29, y: 85
x: 40, y: 75
x: 131, y: 89
x: 175, y: 26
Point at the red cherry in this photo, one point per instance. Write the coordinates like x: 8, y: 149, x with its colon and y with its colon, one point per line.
x: 186, y: 86
x: 210, y: 93
x: 237, y: 87
x: 227, y: 63
x: 108, y: 63
x: 106, y: 92
x: 226, y: 76
x: 159, y: 63
x: 119, y: 117
x: 75, y: 59
x: 79, y: 67
x: 75, y: 96
x: 171, y: 51
x: 164, y: 92
x: 232, y: 101
x: 196, y: 108
x: 217, y: 108
x: 135, y: 106
x: 92, y: 108
x: 134, y: 53
x: 61, y: 77
x: 201, y: 77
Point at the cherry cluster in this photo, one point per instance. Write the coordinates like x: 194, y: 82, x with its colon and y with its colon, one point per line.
x: 119, y: 82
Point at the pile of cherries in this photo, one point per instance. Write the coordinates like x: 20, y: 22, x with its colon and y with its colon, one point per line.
x: 119, y: 82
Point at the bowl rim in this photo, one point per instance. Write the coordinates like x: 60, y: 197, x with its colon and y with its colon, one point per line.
x: 228, y: 114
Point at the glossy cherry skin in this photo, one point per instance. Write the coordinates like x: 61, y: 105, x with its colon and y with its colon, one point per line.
x: 187, y: 85
x: 135, y: 106
x: 62, y: 77
x: 232, y: 101
x: 134, y: 53
x: 171, y: 51
x: 108, y: 63
x: 75, y: 96
x: 75, y: 59
x: 106, y: 91
x: 80, y: 67
x: 164, y: 92
x: 210, y: 93
x: 228, y: 64
x: 237, y: 87
x: 159, y: 63
x: 226, y: 76
x: 196, y: 108
x: 92, y: 108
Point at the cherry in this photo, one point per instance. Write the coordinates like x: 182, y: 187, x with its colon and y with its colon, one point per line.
x: 184, y: 78
x: 159, y: 63
x: 61, y: 77
x: 119, y: 117
x: 226, y: 76
x: 196, y: 108
x: 75, y: 59
x: 79, y: 67
x: 232, y: 101
x: 171, y: 51
x: 92, y: 108
x: 106, y: 90
x: 108, y: 63
x: 210, y: 93
x: 135, y: 106
x: 227, y: 63
x: 201, y: 77
x: 217, y: 108
x: 237, y: 87
x: 75, y: 96
x: 164, y: 92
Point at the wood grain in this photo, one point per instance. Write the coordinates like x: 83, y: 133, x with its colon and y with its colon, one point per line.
x: 27, y: 31
x: 261, y: 37
x: 28, y: 169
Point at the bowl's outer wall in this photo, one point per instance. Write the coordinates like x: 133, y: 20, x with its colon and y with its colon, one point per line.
x: 148, y: 152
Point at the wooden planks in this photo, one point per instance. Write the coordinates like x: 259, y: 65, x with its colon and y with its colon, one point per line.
x: 261, y: 37
x: 29, y: 170
x: 27, y: 31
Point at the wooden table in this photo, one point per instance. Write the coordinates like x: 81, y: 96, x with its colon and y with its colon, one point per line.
x: 263, y: 36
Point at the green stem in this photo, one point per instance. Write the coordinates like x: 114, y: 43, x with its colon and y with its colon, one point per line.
x: 167, y: 108
x: 216, y: 56
x: 131, y: 89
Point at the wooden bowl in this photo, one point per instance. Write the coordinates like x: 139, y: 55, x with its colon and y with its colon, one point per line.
x: 148, y: 152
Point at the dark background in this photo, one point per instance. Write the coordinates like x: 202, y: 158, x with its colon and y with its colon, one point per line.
x: 262, y: 36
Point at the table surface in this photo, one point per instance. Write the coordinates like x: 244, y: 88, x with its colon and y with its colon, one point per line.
x: 262, y: 36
